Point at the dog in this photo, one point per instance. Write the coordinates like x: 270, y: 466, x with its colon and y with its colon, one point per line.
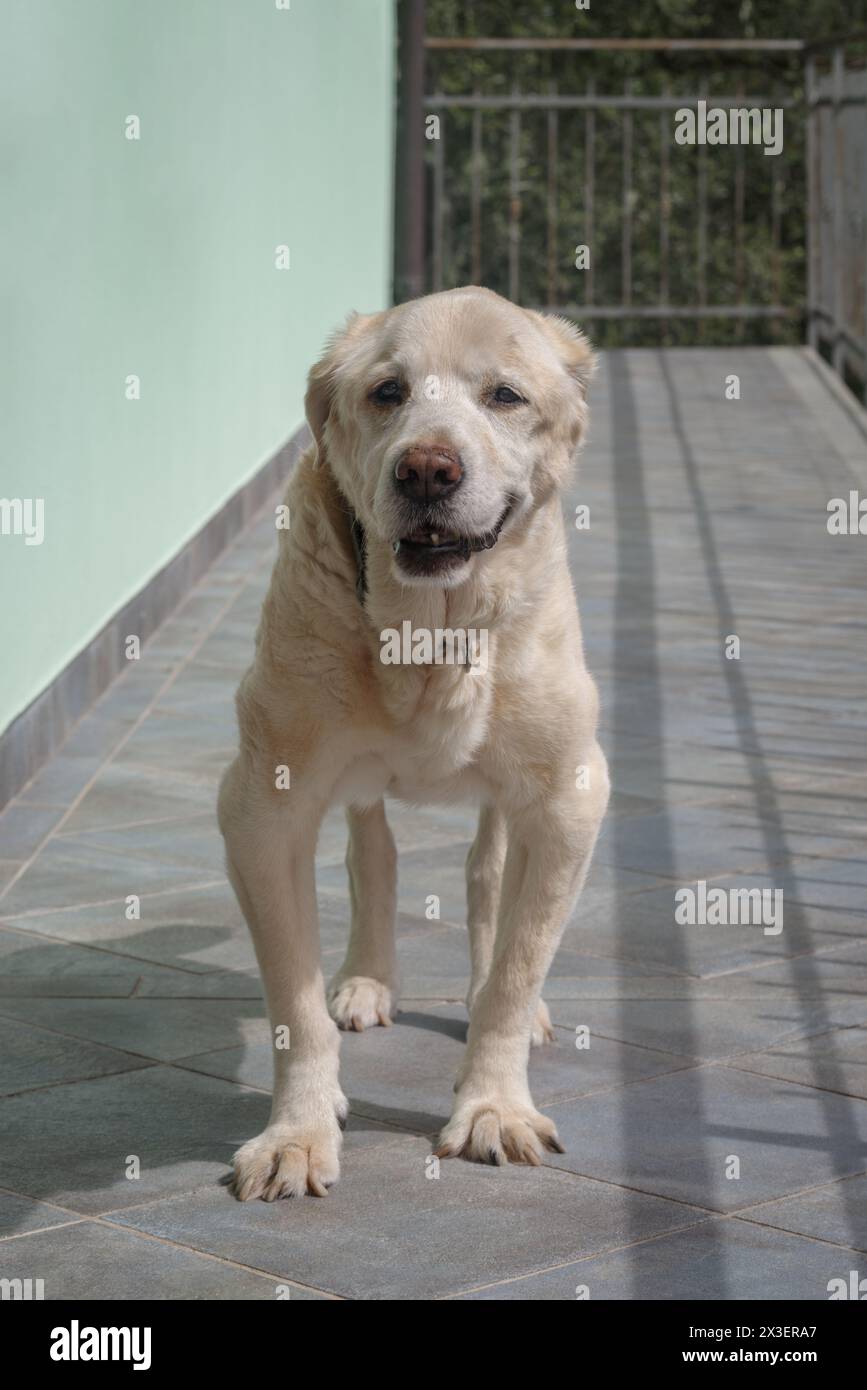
x: 444, y: 430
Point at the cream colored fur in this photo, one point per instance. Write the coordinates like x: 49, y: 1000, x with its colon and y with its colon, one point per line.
x: 351, y: 730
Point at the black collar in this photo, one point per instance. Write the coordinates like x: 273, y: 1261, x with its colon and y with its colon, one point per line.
x: 356, y: 531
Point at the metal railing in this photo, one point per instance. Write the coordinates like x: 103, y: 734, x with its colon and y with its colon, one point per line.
x: 837, y: 222
x: 591, y: 104
x: 489, y: 217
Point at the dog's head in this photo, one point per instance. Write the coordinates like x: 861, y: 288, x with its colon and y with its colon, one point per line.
x: 448, y: 419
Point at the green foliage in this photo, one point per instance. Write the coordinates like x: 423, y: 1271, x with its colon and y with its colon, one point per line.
x: 757, y: 258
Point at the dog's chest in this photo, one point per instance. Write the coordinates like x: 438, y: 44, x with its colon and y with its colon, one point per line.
x: 437, y: 717
x: 434, y: 722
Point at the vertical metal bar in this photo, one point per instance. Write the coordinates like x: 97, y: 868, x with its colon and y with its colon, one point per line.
x: 514, y: 200
x: 626, y: 246
x: 838, y: 349
x: 589, y: 188
x: 739, y: 219
x: 553, y: 286
x: 863, y: 159
x: 438, y: 206
x: 664, y: 201
x: 777, y: 185
x: 813, y: 203
x: 410, y: 239
x: 476, y: 198
x: 702, y: 234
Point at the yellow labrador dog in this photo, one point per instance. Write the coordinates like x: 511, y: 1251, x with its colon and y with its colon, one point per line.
x: 428, y: 508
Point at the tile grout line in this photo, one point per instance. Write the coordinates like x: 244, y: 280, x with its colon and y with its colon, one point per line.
x: 644, y: 1240
x: 64, y: 943
x: 208, y: 1255
x: 579, y: 1259
x: 130, y: 825
x: 167, y: 684
x: 108, y: 902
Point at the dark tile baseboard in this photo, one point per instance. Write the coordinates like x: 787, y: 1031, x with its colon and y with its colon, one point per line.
x: 39, y: 731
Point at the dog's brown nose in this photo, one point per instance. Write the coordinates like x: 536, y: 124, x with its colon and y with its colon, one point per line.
x: 428, y: 472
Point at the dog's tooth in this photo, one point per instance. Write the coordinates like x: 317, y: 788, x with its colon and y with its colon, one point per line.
x: 434, y: 538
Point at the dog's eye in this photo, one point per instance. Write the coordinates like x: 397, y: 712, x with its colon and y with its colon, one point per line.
x: 504, y: 395
x: 387, y: 392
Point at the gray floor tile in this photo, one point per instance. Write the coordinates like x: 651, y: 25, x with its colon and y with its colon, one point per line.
x: 691, y: 842
x: 8, y: 869
x: 434, y: 964
x: 24, y: 827
x: 836, y: 1212
x: 31, y: 965
x: 67, y: 874
x: 196, y: 929
x: 404, y: 1075
x: 183, y: 745
x: 90, y: 1260
x: 837, y: 969
x: 436, y: 831
x: 72, y: 986
x: 60, y: 781
x: 71, y: 1144
x: 19, y: 1214
x: 388, y: 1231
x: 718, y: 1260
x: 194, y: 844
x: 120, y: 796
x: 31, y: 1056
x: 835, y: 1061
x: 334, y: 919
x: 159, y: 1029
x: 440, y: 870
x: 642, y: 927
x: 180, y: 984
x: 711, y: 1028
x: 673, y: 1135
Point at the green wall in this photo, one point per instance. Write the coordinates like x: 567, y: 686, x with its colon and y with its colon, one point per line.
x: 259, y: 126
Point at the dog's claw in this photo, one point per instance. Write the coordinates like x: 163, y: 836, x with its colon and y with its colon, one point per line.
x: 288, y: 1161
x: 499, y: 1132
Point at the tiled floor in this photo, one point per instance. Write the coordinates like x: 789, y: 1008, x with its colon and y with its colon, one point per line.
x: 716, y: 1126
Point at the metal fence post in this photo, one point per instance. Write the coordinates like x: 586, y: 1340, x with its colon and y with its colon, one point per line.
x: 838, y: 347
x: 410, y: 181
x: 813, y: 207
x: 589, y: 181
x: 515, y: 199
x: 626, y: 244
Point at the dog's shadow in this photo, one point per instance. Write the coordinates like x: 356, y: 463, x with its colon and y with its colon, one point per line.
x: 74, y: 1140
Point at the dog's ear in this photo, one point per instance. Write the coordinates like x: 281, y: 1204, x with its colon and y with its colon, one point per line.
x: 322, y: 378
x: 571, y: 346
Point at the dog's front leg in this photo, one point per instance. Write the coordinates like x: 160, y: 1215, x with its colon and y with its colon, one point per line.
x: 485, y: 866
x: 270, y: 848
x: 363, y: 993
x: 550, y: 844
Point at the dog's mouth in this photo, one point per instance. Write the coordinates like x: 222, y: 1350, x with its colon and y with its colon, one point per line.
x: 432, y: 549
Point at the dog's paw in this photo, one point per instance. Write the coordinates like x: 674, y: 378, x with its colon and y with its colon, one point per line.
x: 288, y: 1161
x: 498, y: 1131
x: 542, y: 1032
x: 359, y: 1002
